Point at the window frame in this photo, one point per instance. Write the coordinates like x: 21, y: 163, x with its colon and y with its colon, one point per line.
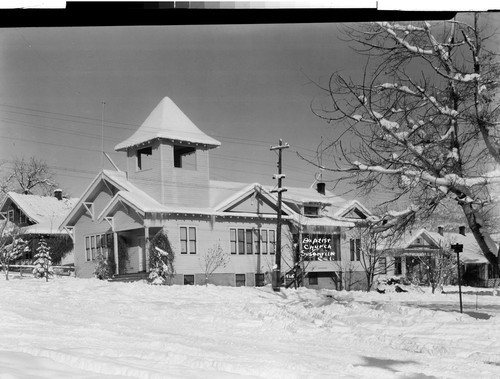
x: 355, y: 249
x: 382, y: 264
x: 271, y: 241
x: 236, y: 281
x: 248, y: 244
x: 398, y: 266
x: 257, y: 244
x: 93, y: 248
x: 313, y: 280
x: 260, y: 279
x: 23, y: 219
x: 264, y: 241
x: 311, y: 211
x: 191, y: 245
x: 233, y: 241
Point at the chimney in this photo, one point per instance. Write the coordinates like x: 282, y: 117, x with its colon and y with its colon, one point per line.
x: 320, y: 187
x: 58, y: 194
x: 441, y: 230
x: 461, y: 230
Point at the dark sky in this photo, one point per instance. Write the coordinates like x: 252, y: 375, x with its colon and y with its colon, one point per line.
x: 245, y: 85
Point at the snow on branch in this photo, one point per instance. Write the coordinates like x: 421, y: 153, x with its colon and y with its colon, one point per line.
x: 397, y: 87
x: 447, y: 181
x: 391, y: 30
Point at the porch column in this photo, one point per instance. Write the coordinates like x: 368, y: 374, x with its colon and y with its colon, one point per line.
x: 115, y: 251
x: 403, y: 266
x: 146, y: 247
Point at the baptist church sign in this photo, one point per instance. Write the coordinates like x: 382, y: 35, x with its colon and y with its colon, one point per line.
x: 318, y: 249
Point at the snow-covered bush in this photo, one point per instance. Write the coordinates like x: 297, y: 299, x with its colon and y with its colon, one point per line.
x: 103, y: 267
x: 43, y: 261
x: 11, y: 248
x: 161, y: 259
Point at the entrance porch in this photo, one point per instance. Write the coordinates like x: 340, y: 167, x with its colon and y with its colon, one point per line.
x: 131, y: 250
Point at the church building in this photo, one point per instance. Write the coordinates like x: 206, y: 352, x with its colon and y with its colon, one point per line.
x: 167, y: 186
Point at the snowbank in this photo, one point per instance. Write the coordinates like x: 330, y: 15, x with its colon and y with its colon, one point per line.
x: 85, y: 328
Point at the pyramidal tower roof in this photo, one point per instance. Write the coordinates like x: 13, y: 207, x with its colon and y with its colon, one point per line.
x: 167, y: 121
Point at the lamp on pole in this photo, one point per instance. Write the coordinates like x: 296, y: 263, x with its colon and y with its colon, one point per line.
x: 458, y: 248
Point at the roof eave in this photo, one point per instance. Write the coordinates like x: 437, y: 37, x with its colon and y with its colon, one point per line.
x: 124, y: 146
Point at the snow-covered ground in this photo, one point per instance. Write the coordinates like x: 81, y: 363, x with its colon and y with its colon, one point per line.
x: 86, y: 328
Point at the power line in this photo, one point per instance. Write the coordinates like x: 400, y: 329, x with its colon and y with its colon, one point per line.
x: 132, y: 127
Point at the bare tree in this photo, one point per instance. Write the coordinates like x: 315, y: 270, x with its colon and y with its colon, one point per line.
x: 422, y: 120
x: 214, y: 259
x: 29, y: 177
x: 347, y: 274
x: 369, y: 248
x: 439, y: 267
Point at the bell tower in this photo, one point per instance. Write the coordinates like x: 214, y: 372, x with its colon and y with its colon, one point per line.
x: 167, y: 157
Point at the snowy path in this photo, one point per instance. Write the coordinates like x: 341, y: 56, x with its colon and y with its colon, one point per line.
x: 91, y: 329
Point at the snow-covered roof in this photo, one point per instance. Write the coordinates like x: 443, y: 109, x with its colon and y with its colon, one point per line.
x: 46, y: 211
x: 137, y: 199
x: 471, y: 251
x: 224, y: 192
x: 167, y: 121
x: 303, y: 195
x: 342, y: 207
x: 409, y: 238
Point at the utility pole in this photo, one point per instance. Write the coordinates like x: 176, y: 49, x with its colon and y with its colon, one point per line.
x: 276, y: 275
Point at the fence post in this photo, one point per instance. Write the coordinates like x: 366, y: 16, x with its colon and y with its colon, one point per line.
x: 21, y: 270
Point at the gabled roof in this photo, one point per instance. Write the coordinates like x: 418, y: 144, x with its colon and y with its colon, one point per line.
x: 136, y: 199
x: 471, y: 251
x: 117, y: 179
x: 246, y: 191
x: 348, y: 206
x: 410, y: 238
x: 168, y: 122
x: 47, y: 212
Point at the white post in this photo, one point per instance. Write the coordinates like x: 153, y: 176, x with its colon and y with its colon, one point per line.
x: 146, y: 247
x: 115, y: 251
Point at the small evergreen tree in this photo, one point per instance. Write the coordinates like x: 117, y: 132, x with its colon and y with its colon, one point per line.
x: 43, y: 261
x: 161, y: 259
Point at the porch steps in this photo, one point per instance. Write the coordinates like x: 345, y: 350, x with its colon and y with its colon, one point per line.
x: 132, y: 277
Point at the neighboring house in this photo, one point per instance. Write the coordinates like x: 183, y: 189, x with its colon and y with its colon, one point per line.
x: 406, y: 257
x: 37, y: 217
x: 167, y: 186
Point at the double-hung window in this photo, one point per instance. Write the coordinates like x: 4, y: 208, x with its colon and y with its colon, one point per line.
x: 263, y: 239
x: 96, y: 245
x: 251, y: 241
x: 188, y: 240
x: 355, y: 247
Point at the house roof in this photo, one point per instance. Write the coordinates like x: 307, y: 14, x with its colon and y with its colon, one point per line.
x: 223, y: 194
x: 167, y: 121
x: 342, y: 207
x: 409, y: 238
x: 471, y: 251
x: 46, y: 211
